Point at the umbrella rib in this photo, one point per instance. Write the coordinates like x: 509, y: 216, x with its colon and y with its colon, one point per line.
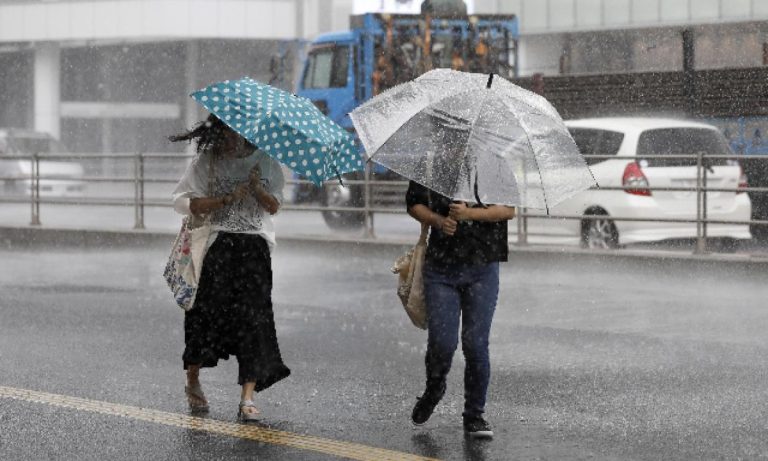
x: 469, y: 140
x: 442, y: 98
x: 453, y: 117
x: 537, y: 109
x: 533, y: 153
x: 522, y: 101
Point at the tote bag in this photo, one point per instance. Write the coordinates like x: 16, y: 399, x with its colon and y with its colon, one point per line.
x: 185, y: 263
x: 410, y: 286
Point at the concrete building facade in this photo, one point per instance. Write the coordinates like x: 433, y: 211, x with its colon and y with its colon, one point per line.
x: 114, y: 75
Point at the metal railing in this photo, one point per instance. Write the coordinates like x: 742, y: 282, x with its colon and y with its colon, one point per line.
x: 139, y: 180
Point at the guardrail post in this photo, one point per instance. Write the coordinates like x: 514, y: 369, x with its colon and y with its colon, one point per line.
x: 522, y: 227
x: 369, y: 230
x: 701, y: 238
x: 138, y: 170
x: 35, y: 190
x: 704, y: 213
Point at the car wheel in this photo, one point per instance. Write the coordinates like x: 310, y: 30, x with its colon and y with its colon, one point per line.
x: 759, y: 233
x: 599, y: 233
x: 336, y: 195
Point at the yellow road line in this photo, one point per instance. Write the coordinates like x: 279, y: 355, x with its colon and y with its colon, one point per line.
x: 337, y: 448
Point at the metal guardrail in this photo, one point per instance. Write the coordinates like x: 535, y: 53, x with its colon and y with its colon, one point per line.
x: 139, y: 201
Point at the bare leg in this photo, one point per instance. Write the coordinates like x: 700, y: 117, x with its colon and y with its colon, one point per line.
x: 193, y: 375
x: 247, y: 394
x: 196, y: 399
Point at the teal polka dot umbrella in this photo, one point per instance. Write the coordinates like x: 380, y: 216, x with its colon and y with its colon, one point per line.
x: 285, y: 126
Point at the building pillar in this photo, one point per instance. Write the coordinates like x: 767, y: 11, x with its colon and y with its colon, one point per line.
x: 192, y: 111
x: 47, y: 88
x: 325, y: 18
x: 300, y: 32
x: 689, y: 71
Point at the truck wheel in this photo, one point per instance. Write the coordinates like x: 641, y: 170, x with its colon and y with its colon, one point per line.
x: 335, y: 195
x: 305, y: 193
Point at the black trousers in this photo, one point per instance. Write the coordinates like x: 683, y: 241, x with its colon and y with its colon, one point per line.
x: 232, y: 314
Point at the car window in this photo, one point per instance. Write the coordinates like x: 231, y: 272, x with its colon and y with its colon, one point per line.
x: 596, y: 142
x: 682, y: 141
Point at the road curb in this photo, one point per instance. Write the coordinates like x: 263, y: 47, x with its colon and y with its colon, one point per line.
x: 29, y: 236
x: 25, y: 237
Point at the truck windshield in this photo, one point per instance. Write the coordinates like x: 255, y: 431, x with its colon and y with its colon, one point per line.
x: 327, y: 67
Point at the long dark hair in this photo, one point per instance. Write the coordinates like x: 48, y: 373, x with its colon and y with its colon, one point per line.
x: 207, y: 134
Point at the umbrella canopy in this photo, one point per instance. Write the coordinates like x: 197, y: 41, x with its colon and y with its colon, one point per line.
x: 471, y: 137
x: 287, y: 127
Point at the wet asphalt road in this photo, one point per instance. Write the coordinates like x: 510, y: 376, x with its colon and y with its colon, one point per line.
x: 592, y: 359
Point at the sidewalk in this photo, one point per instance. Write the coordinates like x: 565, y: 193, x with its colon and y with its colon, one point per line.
x: 112, y: 225
x: 23, y: 237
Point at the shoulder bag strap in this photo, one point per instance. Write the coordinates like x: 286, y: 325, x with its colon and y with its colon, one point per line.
x: 424, y: 226
x: 211, y: 173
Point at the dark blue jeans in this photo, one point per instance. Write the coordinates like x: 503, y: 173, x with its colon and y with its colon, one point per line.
x: 467, y: 294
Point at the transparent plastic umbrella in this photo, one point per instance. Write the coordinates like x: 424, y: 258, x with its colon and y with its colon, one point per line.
x: 473, y: 137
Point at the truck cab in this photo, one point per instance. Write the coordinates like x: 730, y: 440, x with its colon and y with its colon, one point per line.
x: 342, y: 70
x: 329, y: 77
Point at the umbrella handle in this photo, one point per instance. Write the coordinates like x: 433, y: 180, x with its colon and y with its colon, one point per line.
x: 338, y: 175
x: 477, y: 195
x: 490, y: 80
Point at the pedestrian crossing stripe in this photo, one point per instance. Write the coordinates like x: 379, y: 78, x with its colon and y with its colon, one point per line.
x: 331, y: 447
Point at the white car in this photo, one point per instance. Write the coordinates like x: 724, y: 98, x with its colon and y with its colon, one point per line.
x: 627, y: 139
x: 57, y: 178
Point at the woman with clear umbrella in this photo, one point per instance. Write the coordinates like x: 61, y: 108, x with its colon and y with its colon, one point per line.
x: 461, y: 285
x: 467, y: 138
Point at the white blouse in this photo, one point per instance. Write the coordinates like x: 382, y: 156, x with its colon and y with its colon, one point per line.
x: 241, y: 216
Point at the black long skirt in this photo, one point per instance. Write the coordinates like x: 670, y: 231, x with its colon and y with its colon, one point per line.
x: 232, y: 314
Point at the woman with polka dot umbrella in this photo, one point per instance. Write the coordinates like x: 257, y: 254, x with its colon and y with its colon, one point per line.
x: 287, y: 127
